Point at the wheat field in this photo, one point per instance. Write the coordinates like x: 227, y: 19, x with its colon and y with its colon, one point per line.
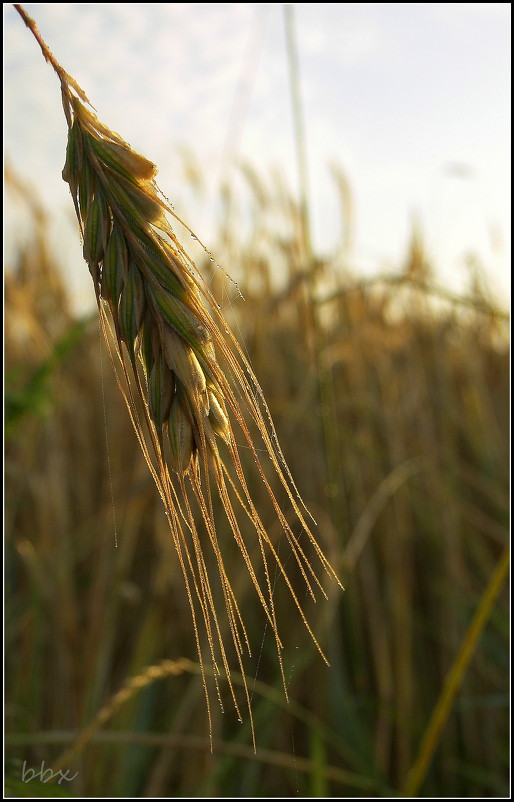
x: 165, y: 621
x: 396, y: 429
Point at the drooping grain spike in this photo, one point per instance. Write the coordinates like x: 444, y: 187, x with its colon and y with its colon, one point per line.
x: 187, y: 384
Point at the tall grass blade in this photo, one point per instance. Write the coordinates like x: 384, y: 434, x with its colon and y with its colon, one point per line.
x: 454, y: 679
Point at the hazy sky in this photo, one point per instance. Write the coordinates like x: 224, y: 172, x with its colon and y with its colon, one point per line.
x: 410, y: 100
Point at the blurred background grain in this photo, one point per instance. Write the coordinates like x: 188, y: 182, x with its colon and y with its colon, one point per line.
x: 391, y: 402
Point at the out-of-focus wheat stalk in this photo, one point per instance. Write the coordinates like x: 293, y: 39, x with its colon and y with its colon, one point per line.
x: 187, y: 383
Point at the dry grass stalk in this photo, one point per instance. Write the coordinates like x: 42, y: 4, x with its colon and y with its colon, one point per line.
x: 170, y: 342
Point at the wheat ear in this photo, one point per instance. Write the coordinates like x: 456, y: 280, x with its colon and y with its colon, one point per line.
x: 186, y: 381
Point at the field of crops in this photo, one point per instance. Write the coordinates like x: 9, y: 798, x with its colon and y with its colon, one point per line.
x: 391, y: 403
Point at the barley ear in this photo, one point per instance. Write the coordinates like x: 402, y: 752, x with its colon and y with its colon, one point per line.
x: 189, y: 389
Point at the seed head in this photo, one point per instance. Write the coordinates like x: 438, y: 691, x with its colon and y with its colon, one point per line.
x: 186, y: 381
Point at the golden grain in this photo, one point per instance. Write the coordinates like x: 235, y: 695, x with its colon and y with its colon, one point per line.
x: 185, y: 380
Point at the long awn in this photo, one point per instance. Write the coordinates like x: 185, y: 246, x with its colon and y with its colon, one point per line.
x: 187, y: 384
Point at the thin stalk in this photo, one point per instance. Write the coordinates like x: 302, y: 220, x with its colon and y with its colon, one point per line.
x: 454, y: 679
x: 173, y: 741
x: 313, y: 330
x: 65, y: 79
x: 299, y: 130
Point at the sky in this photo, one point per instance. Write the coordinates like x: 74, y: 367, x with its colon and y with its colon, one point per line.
x: 411, y: 101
